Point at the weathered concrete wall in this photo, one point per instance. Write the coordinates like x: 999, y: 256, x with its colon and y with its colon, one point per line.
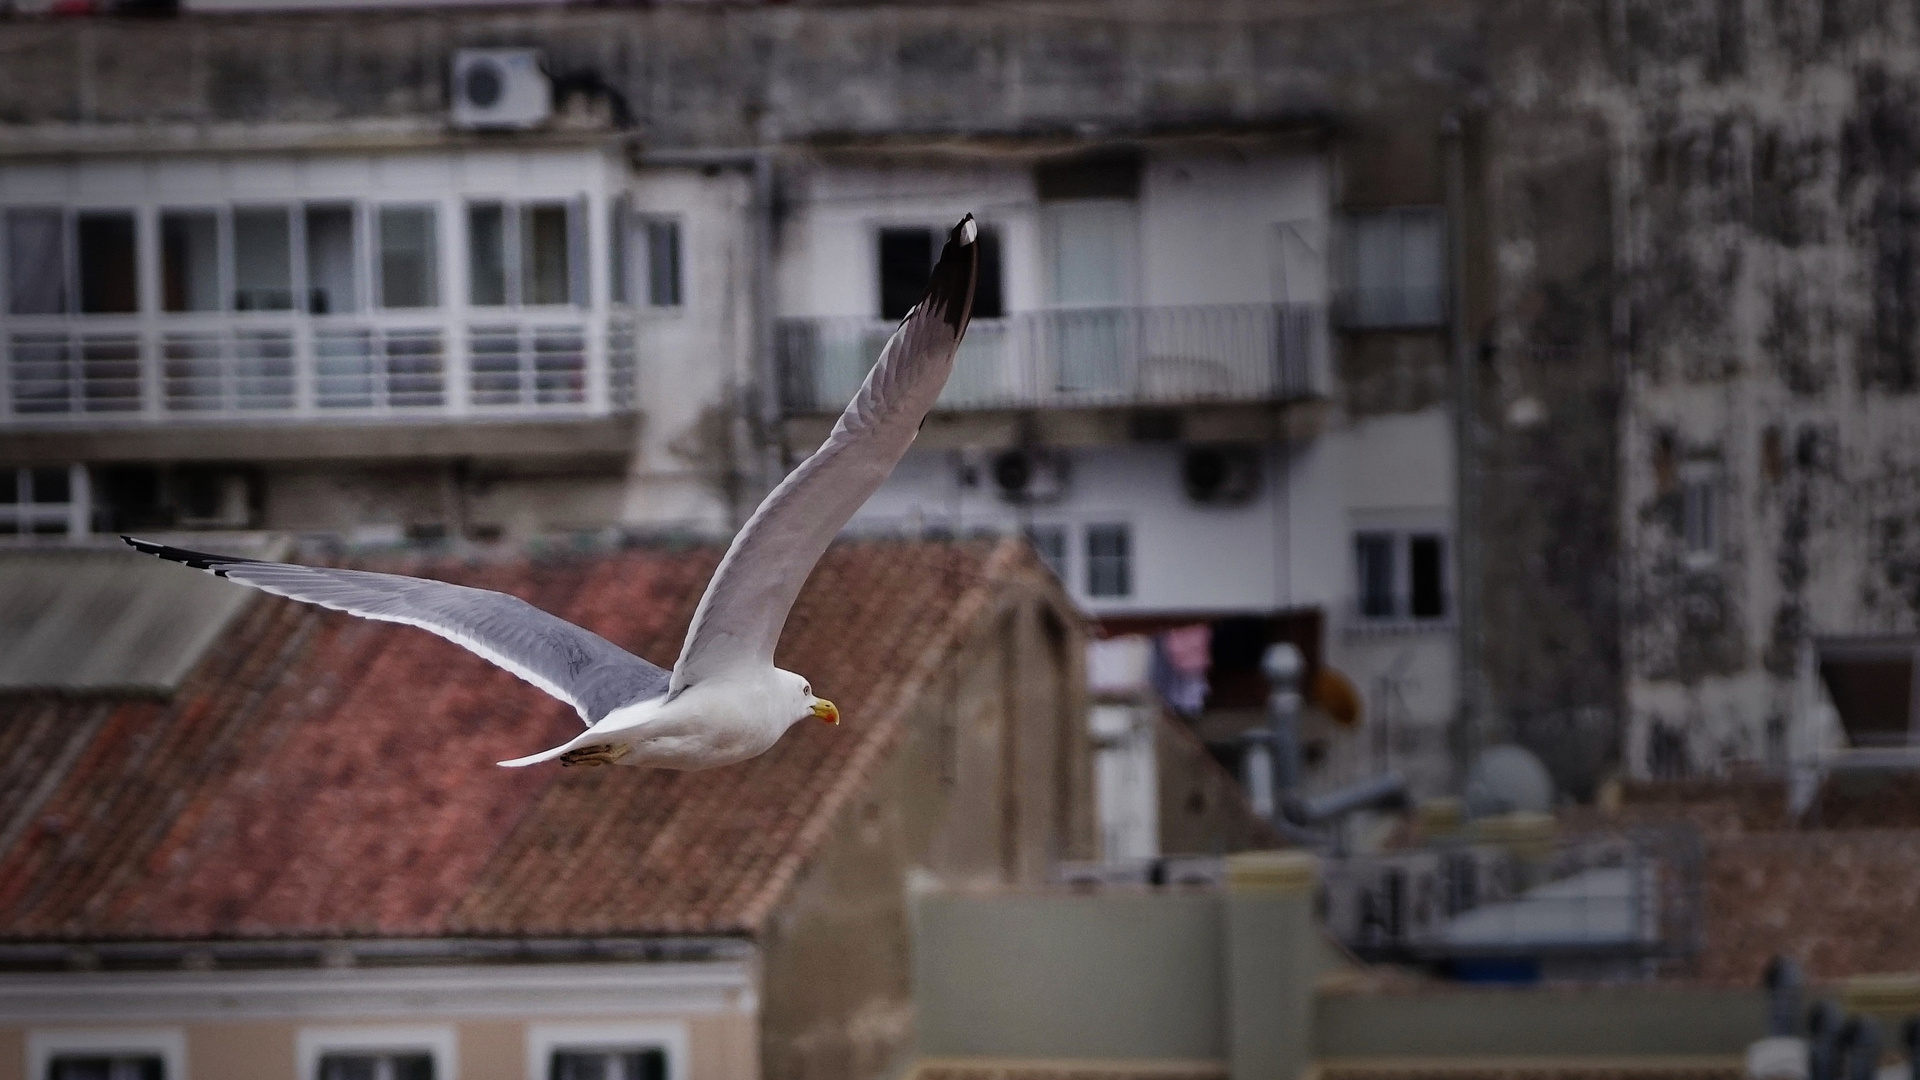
x: 990, y: 783
x: 1586, y: 1021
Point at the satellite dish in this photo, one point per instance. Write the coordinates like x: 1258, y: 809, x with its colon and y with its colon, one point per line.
x: 1505, y: 779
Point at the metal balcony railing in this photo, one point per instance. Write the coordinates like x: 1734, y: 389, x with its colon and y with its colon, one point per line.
x: 184, y: 370
x: 1076, y: 358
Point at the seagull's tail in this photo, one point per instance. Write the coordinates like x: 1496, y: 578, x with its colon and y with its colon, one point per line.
x: 548, y: 755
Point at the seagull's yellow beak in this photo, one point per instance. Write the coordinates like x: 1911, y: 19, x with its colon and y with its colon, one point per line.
x: 826, y: 710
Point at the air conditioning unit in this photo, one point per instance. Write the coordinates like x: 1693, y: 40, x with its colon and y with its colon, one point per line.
x: 1221, y: 475
x: 1030, y: 476
x: 500, y: 89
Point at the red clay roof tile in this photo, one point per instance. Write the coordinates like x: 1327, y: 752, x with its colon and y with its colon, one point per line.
x: 320, y: 775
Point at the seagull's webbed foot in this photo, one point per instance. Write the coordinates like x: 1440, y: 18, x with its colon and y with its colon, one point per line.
x: 596, y: 754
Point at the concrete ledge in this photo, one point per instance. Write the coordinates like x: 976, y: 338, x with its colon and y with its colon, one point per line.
x: 1458, y: 1023
x: 1599, y: 1067
x: 608, y: 437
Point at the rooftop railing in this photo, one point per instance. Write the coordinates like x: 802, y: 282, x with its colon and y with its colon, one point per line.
x: 183, y: 371
x: 1076, y: 358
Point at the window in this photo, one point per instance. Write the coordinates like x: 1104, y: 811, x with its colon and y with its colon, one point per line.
x: 1393, y: 269
x: 409, y: 257
x: 36, y: 262
x: 1374, y: 559
x: 663, y: 263
x: 190, y: 260
x: 332, y: 261
x: 1051, y: 542
x: 108, y: 282
x: 155, y: 1054
x: 619, y: 222
x: 639, y: 1064
x: 906, y: 263
x: 369, y: 1065
x: 262, y: 259
x: 44, y: 501
x: 106, y: 1067
x: 1700, y: 511
x: 656, y: 1051
x: 1400, y: 575
x: 376, y: 1053
x: 523, y: 254
x: 1109, y: 561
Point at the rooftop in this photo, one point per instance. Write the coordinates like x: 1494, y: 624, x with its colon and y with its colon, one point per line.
x: 320, y: 776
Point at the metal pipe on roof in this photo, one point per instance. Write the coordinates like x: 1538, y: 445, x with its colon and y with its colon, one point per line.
x: 1389, y: 789
x: 1910, y: 1036
x: 1823, y: 1036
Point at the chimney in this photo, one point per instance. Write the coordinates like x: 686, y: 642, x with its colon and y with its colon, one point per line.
x: 1272, y: 946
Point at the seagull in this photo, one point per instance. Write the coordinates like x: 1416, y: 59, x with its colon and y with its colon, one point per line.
x: 724, y: 701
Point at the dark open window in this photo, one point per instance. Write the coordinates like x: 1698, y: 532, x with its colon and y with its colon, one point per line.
x: 361, y: 1065
x: 1426, y: 573
x: 663, y: 263
x: 106, y: 1067
x: 36, y: 262
x: 109, y: 285
x: 190, y: 260
x: 906, y: 264
x: 638, y: 1064
x: 1374, y: 566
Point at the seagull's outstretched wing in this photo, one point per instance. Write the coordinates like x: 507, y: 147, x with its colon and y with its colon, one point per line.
x: 745, y: 605
x: 579, y: 667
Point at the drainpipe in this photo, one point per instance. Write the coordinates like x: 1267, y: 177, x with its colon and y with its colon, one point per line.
x: 1284, y: 666
x: 1473, y: 733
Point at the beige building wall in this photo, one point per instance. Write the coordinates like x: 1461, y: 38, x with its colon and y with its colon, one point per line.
x: 718, y: 1047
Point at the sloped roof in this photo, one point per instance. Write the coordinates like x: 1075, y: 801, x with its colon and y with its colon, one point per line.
x: 319, y: 775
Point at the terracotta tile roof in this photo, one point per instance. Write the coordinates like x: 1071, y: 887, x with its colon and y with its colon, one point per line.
x: 319, y: 775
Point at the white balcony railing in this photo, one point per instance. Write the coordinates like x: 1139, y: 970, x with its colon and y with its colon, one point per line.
x: 100, y: 371
x: 1077, y: 358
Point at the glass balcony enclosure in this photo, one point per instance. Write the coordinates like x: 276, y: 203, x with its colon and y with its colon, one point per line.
x: 403, y: 304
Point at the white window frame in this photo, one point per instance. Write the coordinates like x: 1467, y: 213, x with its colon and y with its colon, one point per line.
x: 77, y: 511
x: 1701, y: 480
x: 513, y: 210
x: 437, y: 1041
x: 1132, y: 564
x: 1397, y: 315
x: 168, y: 1044
x: 1401, y: 527
x: 640, y: 260
x: 668, y: 1035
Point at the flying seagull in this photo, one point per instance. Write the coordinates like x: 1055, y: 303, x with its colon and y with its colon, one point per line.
x: 724, y: 701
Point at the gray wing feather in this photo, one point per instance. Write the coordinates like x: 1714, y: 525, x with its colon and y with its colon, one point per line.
x: 579, y: 667
x: 740, y: 616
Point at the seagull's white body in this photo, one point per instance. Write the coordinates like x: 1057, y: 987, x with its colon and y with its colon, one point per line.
x: 712, y: 724
x: 724, y: 701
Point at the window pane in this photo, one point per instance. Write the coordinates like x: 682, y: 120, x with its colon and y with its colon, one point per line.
x: 1698, y: 525
x: 487, y: 255
x: 330, y: 260
x: 1426, y: 569
x: 644, y: 1065
x: 190, y: 261
x: 262, y: 260
x: 580, y: 1065
x: 106, y: 1067
x: 413, y: 1067
x: 1091, y: 250
x: 545, y: 257
x: 51, y: 486
x: 9, y: 485
x: 349, y: 1067
x: 81, y: 1068
x: 663, y: 263
x: 988, y: 300
x: 108, y: 283
x: 1422, y: 257
x: 906, y: 264
x: 1373, y: 554
x: 408, y: 257
x: 1109, y: 560
x: 617, y: 225
x: 36, y: 262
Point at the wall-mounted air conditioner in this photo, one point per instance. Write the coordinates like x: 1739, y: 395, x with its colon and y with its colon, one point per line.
x: 500, y: 89
x: 1221, y: 475
x: 1032, y: 475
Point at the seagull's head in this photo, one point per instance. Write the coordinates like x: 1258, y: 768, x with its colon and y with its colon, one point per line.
x: 805, y: 704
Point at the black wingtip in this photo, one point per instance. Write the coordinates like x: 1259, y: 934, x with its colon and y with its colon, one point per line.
x: 950, y: 293
x: 199, y: 560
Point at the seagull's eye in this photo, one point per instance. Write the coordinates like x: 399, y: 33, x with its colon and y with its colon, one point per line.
x: 806, y: 688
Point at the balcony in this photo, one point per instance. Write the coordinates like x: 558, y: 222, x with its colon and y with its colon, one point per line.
x: 100, y: 372
x: 1082, y: 358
